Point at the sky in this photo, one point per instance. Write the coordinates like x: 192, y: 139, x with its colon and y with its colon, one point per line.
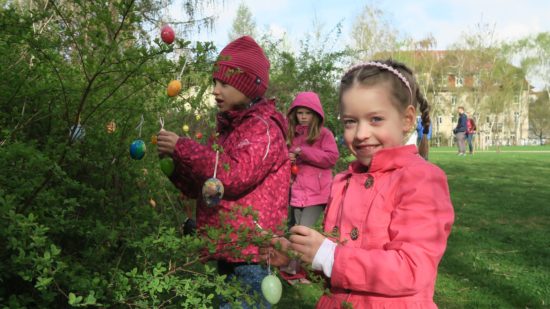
x: 446, y: 20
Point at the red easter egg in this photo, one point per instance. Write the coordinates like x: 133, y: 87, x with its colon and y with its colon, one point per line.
x: 167, y: 34
x: 294, y: 169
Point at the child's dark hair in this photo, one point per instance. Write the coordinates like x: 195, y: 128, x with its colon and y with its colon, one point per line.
x: 314, y: 130
x: 402, y: 85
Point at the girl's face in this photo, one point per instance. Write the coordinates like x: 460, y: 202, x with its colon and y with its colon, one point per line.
x: 227, y: 97
x: 372, y: 122
x: 304, y: 116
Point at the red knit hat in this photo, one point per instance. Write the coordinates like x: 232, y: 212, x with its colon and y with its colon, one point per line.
x: 243, y: 65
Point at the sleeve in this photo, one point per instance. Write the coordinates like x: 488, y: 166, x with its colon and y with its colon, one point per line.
x: 418, y: 231
x: 241, y: 167
x: 183, y: 180
x: 323, y: 156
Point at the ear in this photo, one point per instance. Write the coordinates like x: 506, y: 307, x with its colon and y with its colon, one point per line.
x: 409, y: 118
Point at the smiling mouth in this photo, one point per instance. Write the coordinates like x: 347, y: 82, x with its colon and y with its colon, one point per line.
x: 366, y: 149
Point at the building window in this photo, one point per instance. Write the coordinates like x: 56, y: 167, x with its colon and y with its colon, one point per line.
x: 459, y: 82
x: 453, y: 100
x: 477, y: 81
x: 439, y: 119
x: 516, y: 99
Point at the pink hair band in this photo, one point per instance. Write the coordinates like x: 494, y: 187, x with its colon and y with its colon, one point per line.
x: 385, y: 67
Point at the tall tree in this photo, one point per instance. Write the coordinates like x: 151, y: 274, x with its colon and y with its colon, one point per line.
x: 539, y: 117
x: 243, y: 24
x: 497, y: 84
x: 372, y: 33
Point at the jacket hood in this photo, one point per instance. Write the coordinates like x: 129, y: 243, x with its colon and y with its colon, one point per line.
x: 264, y: 108
x: 310, y: 100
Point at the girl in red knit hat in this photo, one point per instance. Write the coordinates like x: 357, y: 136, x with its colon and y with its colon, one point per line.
x: 389, y: 215
x: 253, y: 167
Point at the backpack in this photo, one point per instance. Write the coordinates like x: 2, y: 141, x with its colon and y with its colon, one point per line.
x: 471, y: 125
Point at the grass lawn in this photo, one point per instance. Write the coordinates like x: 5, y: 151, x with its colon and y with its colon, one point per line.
x: 498, y: 254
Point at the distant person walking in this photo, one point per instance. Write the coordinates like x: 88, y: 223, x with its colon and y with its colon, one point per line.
x: 471, y: 130
x: 460, y: 131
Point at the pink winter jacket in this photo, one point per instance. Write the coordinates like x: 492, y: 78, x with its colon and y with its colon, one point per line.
x: 393, y: 222
x: 311, y: 185
x: 253, y: 167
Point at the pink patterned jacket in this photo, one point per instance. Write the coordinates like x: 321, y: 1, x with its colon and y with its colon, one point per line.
x: 253, y: 167
x: 393, y: 222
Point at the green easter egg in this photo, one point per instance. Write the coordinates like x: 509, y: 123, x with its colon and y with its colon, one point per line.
x: 272, y: 289
x: 167, y: 166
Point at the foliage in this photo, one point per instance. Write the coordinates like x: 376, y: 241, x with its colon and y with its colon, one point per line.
x: 243, y: 24
x: 539, y: 116
x: 372, y: 33
x: 82, y: 223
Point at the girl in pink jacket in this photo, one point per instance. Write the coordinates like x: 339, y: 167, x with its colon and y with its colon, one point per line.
x: 313, y: 153
x: 390, y: 214
x: 253, y: 167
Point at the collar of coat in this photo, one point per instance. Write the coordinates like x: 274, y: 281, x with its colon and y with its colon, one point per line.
x: 229, y: 120
x: 386, y: 160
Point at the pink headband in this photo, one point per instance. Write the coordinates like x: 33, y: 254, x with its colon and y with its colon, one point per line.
x: 385, y: 67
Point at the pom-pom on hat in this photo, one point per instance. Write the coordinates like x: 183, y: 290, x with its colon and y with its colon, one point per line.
x: 243, y: 65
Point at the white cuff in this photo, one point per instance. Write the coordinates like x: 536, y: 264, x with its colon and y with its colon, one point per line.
x: 324, y: 258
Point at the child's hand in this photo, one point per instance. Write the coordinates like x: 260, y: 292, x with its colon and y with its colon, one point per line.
x: 277, y: 252
x: 292, y: 157
x: 166, y: 142
x: 305, y: 241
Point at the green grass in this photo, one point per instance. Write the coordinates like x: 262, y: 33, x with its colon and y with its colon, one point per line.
x: 498, y: 254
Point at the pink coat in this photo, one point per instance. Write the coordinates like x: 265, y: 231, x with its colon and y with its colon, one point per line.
x: 393, y: 222
x: 253, y: 167
x: 311, y: 185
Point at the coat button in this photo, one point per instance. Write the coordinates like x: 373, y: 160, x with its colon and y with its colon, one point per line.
x: 335, y: 230
x: 369, y: 182
x: 354, y: 233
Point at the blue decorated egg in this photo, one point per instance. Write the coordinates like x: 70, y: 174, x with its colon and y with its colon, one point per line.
x: 77, y: 132
x: 212, y: 192
x: 272, y: 289
x: 137, y: 149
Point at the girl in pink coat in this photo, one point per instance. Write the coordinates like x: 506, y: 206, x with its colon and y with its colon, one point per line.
x: 313, y: 153
x: 253, y: 167
x: 390, y: 213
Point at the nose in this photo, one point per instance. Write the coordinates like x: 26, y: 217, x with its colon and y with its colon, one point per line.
x: 216, y: 88
x: 362, y: 132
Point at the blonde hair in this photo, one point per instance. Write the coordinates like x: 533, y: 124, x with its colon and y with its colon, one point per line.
x: 314, y: 129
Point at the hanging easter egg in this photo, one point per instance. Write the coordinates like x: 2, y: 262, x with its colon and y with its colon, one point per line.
x: 185, y: 128
x: 152, y: 203
x: 174, y: 88
x: 198, y: 135
x: 137, y: 149
x: 167, y: 34
x: 294, y: 169
x: 167, y: 166
x: 111, y: 127
x: 77, y: 132
x: 154, y: 139
x: 272, y: 289
x: 212, y: 192
x: 197, y: 117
